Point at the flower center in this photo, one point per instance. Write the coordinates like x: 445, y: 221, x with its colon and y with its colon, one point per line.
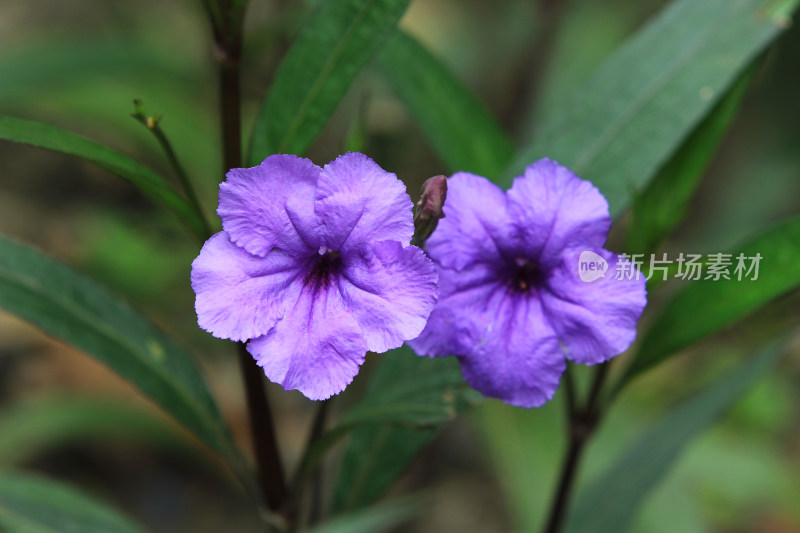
x: 526, y: 275
x: 324, y: 268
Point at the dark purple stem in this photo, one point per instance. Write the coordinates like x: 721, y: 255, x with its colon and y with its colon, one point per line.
x: 227, y: 26
x: 262, y: 427
x: 317, y: 430
x: 582, y: 424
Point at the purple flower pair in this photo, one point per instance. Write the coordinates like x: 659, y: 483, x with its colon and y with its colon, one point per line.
x: 314, y: 268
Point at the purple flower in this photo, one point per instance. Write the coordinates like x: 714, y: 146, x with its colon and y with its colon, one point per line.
x: 512, y: 306
x: 314, y: 269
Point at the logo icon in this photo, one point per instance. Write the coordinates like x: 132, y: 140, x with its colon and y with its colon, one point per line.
x: 591, y: 266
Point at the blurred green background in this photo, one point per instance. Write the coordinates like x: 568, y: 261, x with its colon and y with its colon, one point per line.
x: 80, y: 64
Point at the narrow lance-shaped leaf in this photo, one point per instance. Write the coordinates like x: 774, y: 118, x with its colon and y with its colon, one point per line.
x: 405, y: 406
x: 32, y: 504
x: 72, y: 308
x: 460, y: 127
x: 38, y: 67
x: 36, y: 426
x: 610, y: 503
x: 662, y: 205
x: 706, y: 306
x: 317, y: 71
x: 381, y: 517
x: 408, y: 402
x: 59, y: 140
x: 623, y: 124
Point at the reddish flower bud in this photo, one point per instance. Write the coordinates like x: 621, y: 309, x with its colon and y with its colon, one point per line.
x: 428, y: 209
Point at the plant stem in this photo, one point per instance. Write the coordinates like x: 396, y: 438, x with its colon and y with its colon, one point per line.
x: 186, y: 183
x: 568, y: 470
x: 569, y: 389
x: 582, y: 424
x: 317, y: 429
x: 228, y: 40
x: 597, y: 385
x: 230, y: 111
x: 153, y: 124
x: 265, y: 444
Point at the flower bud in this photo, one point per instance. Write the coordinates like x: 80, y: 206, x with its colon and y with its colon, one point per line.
x: 428, y: 209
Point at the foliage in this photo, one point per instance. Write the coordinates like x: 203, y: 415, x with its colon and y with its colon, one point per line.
x: 644, y: 127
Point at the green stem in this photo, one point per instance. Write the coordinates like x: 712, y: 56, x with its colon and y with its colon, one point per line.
x: 152, y: 124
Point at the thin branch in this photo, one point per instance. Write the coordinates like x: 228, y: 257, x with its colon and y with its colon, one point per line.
x: 317, y: 429
x: 569, y: 389
x: 582, y: 425
x: 600, y: 375
x: 228, y: 42
x: 262, y: 427
x: 153, y: 124
x: 569, y: 469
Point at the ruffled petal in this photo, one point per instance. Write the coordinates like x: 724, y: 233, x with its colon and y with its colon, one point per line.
x: 519, y: 359
x: 390, y: 290
x: 555, y: 210
x: 476, y: 224
x: 458, y: 322
x: 357, y: 202
x: 271, y: 205
x: 595, y: 320
x: 317, y: 348
x: 241, y: 296
x: 506, y: 348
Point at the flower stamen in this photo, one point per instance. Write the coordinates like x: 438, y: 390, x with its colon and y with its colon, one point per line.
x: 526, y: 275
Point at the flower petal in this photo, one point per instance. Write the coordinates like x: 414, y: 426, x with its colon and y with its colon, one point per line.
x: 241, y: 296
x: 475, y: 225
x: 595, y: 320
x: 317, y: 348
x: 357, y: 202
x: 555, y: 210
x: 390, y: 290
x: 457, y: 323
x: 506, y: 348
x: 271, y: 205
x: 519, y: 359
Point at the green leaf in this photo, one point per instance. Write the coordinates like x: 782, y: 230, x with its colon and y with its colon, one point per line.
x: 624, y: 123
x: 89, y: 80
x: 460, y: 127
x: 34, y: 67
x: 332, y: 48
x: 705, y: 306
x: 408, y: 402
x: 382, y: 517
x: 662, y: 205
x: 31, y: 504
x: 524, y: 447
x: 610, y: 502
x: 35, y: 426
x: 59, y: 140
x: 74, y: 309
x: 433, y: 398
x: 434, y: 395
